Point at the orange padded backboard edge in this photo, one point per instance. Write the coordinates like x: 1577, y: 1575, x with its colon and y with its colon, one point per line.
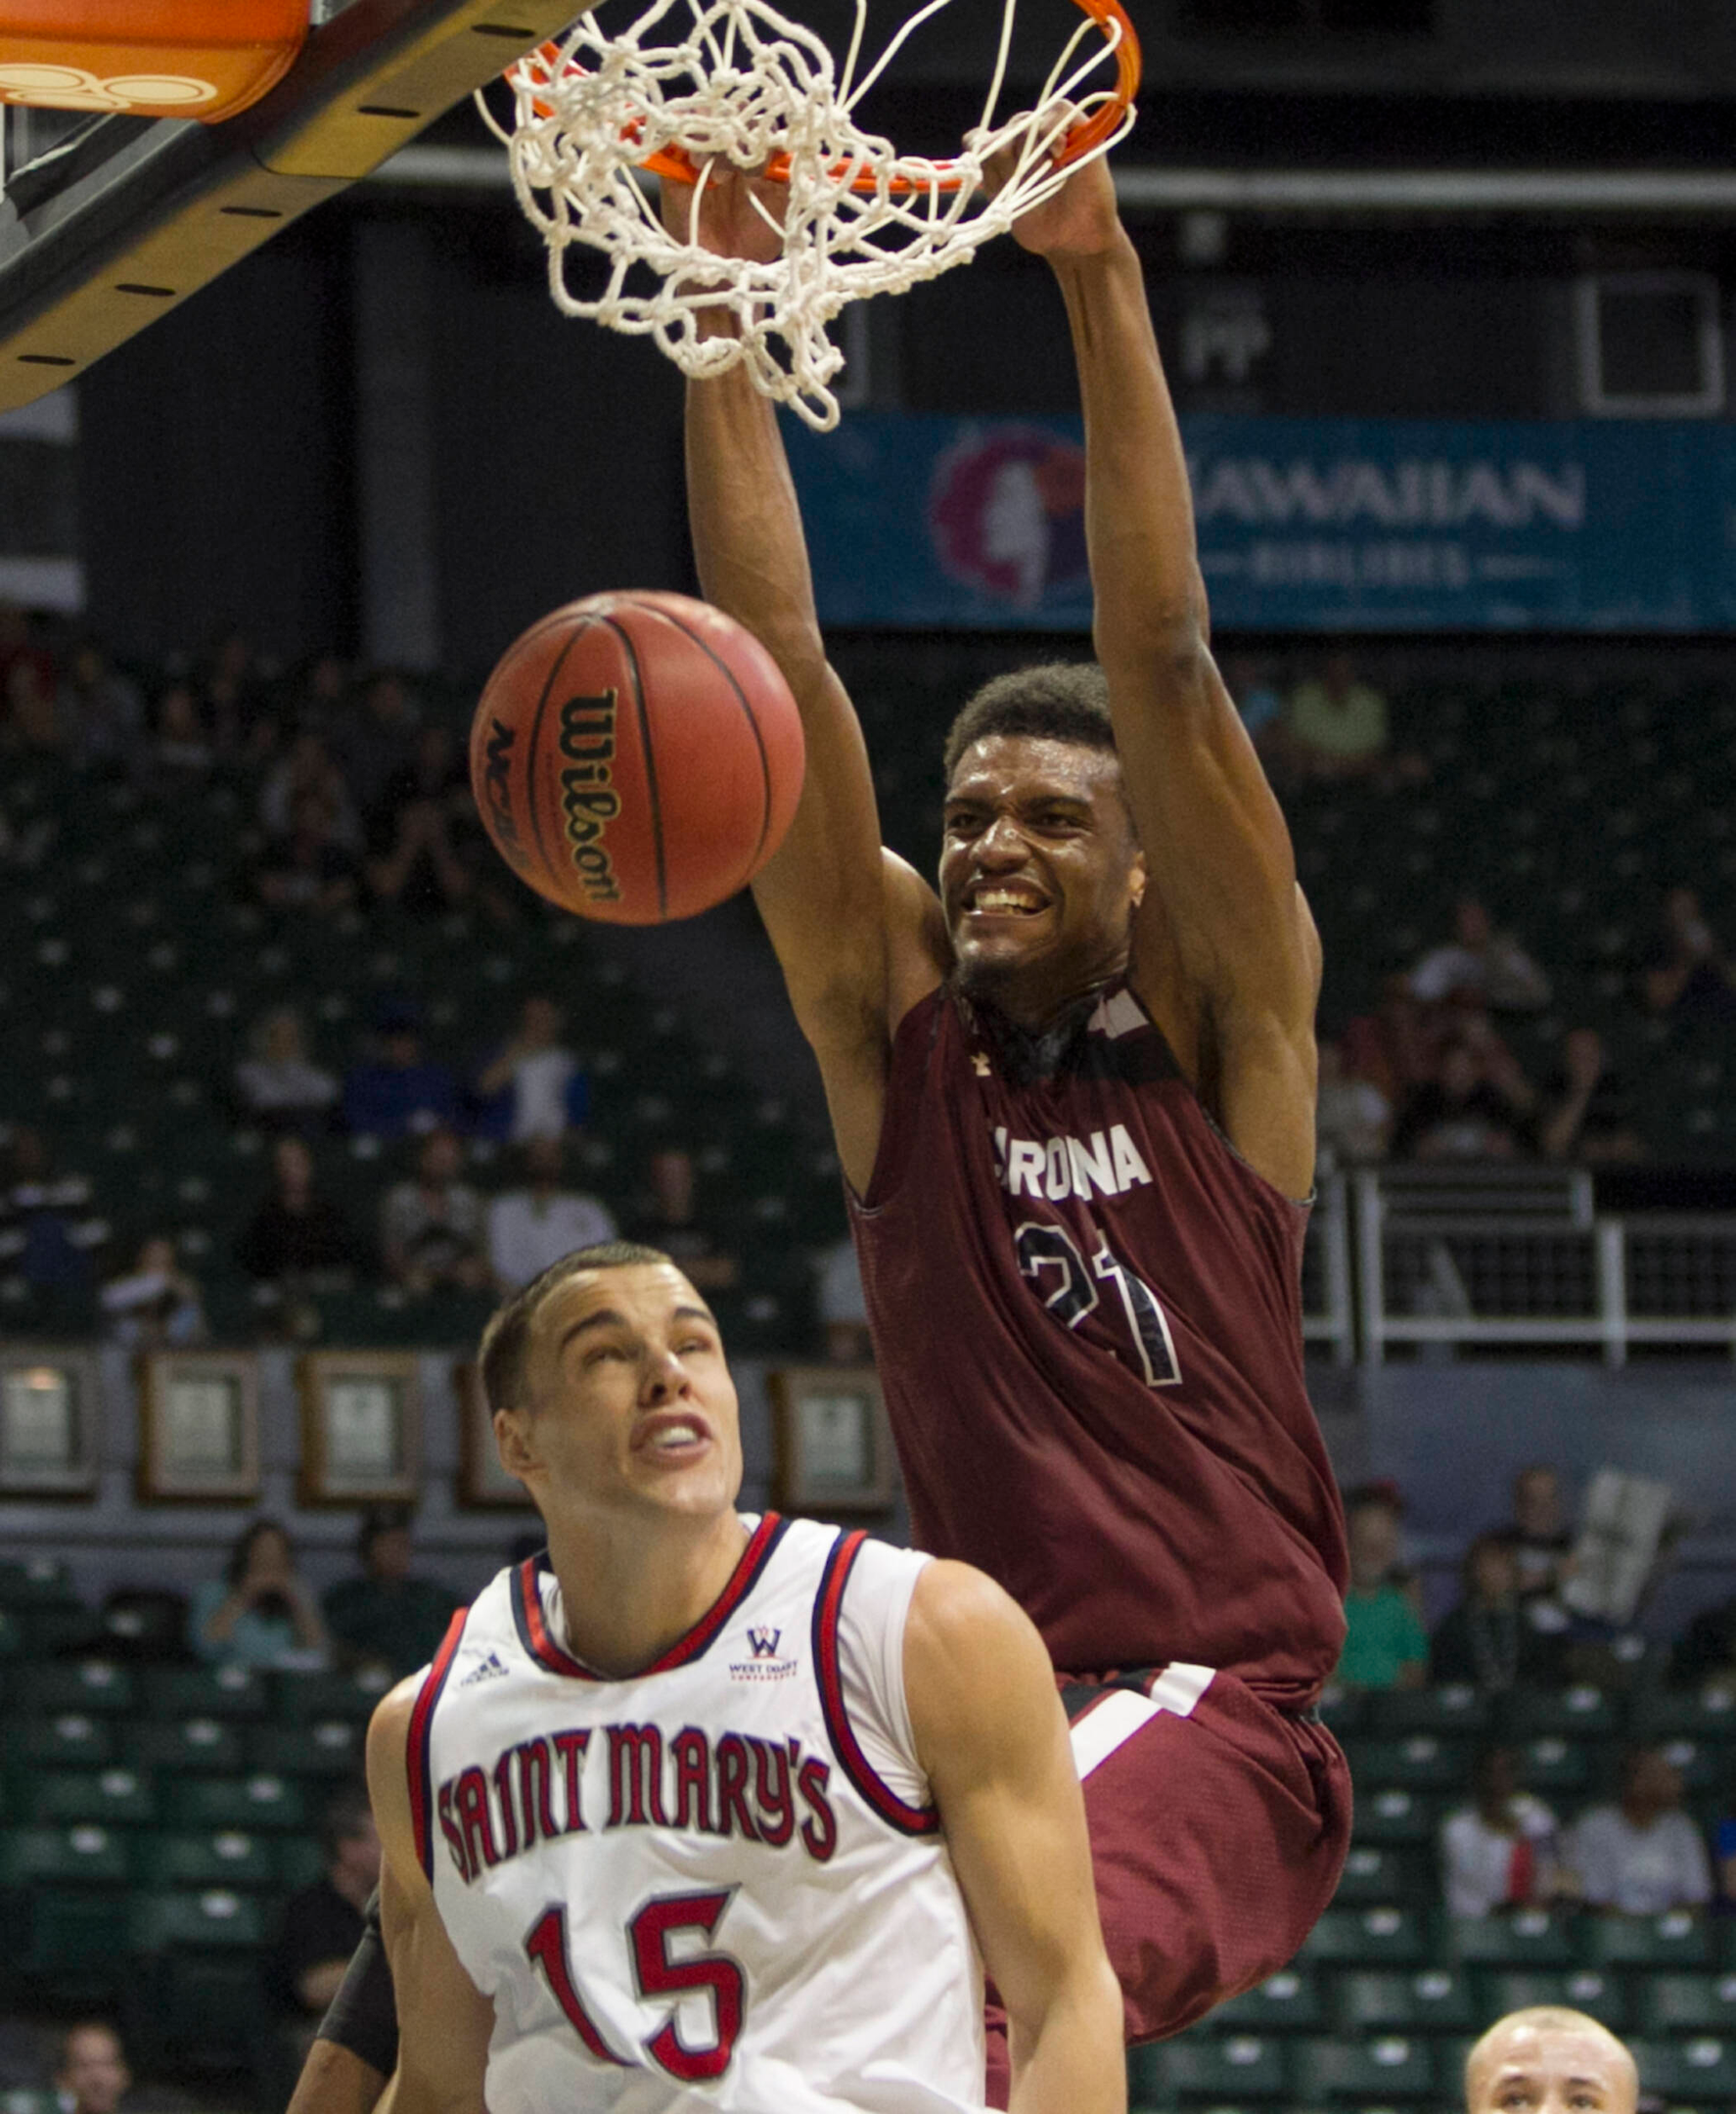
x: 204, y: 58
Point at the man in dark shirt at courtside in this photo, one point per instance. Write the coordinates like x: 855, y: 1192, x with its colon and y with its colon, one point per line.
x: 386, y: 1619
x: 322, y: 1925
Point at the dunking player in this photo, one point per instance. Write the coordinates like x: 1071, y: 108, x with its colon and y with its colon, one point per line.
x: 1072, y: 1096
x: 714, y: 1809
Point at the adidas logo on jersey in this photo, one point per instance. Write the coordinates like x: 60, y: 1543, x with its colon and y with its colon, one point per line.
x: 492, y: 1667
x: 765, y: 1664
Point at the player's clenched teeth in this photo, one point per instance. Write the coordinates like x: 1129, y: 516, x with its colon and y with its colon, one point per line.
x: 999, y: 901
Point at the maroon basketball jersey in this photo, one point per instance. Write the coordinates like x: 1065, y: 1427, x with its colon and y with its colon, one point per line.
x: 1087, y: 1312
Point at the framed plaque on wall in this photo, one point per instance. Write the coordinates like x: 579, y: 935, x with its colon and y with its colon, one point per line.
x: 360, y: 1427
x: 50, y: 1421
x: 833, y: 1444
x: 198, y: 1426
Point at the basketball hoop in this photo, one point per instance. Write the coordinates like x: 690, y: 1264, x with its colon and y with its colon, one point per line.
x: 744, y: 86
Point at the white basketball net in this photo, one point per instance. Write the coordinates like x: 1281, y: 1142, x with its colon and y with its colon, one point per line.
x: 744, y: 85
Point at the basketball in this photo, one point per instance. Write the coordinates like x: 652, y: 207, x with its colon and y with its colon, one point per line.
x: 636, y: 756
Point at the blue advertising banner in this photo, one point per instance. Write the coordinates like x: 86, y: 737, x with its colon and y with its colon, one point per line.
x: 1356, y: 524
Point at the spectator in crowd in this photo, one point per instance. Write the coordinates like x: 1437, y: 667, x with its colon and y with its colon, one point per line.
x: 668, y: 1219
x: 398, y: 1092
x: 231, y: 690
x: 1489, y: 1639
x: 310, y: 772
x: 277, y: 1083
x: 431, y: 1228
x: 180, y: 751
x: 420, y: 834
x: 308, y: 870
x: 387, y: 1621
x: 260, y: 1611
x: 104, y: 711
x: 1487, y: 967
x: 156, y: 1304
x: 1705, y: 1654
x: 1585, y: 1108
x: 1642, y: 1855
x: 1462, y: 1114
x: 297, y: 1232
x: 40, y: 1218
x: 19, y: 642
x: 1690, y: 974
x: 322, y: 1925
x: 1395, y: 1048
x: 379, y: 740
x: 90, y: 2068
x: 1352, y: 1118
x: 35, y: 721
x: 320, y: 699
x: 536, y: 1224
x: 1538, y: 1533
x: 1503, y: 1851
x: 1336, y: 726
x: 1385, y: 1645
x: 842, y: 1307
x: 534, y: 1085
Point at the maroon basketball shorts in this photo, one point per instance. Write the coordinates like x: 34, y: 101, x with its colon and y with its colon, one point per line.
x: 1218, y: 1826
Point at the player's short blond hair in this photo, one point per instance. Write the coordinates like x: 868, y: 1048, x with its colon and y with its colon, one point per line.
x: 1551, y: 2018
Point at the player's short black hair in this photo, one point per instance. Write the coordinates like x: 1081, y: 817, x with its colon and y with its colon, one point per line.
x: 506, y: 1337
x: 1059, y: 701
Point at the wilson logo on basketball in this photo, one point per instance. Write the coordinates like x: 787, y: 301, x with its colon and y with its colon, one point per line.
x: 588, y: 799
x: 497, y: 783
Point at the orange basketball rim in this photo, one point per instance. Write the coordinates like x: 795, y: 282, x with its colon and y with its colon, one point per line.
x: 1110, y: 16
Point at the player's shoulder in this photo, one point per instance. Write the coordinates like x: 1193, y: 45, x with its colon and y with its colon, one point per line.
x: 960, y: 1619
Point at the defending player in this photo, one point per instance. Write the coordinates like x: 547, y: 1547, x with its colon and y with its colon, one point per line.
x: 1550, y: 2060
x: 1074, y: 1098
x: 698, y: 1810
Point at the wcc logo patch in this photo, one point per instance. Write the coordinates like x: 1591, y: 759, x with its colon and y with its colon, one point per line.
x: 765, y: 1660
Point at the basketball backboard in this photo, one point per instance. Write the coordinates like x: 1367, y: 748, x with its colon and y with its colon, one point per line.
x: 109, y: 219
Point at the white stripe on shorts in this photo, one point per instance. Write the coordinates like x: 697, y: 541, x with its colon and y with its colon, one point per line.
x: 1111, y: 1724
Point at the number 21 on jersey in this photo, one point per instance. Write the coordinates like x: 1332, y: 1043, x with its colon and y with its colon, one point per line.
x: 1068, y: 1287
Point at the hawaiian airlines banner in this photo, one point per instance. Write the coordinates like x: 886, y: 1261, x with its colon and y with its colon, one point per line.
x: 1368, y: 525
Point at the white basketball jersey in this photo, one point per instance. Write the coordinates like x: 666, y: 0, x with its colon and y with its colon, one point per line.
x: 718, y: 1884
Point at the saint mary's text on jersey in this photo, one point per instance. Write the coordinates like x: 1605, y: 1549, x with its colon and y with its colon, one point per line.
x: 730, y: 1783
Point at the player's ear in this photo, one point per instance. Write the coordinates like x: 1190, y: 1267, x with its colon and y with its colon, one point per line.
x: 511, y: 1441
x: 1138, y: 880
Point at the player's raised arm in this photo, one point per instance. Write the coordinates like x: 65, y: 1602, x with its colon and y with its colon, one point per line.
x: 851, y: 926
x: 991, y: 1736
x: 445, y: 2021
x: 1224, y: 950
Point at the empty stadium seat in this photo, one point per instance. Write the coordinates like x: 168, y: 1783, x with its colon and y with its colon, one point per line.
x: 1689, y: 2073
x: 196, y: 1803
x: 105, y: 1797
x: 1421, y: 1760
x: 1678, y: 1939
x: 1375, y: 1873
x: 194, y: 1692
x: 1685, y: 2004
x: 210, y: 1746
x: 1421, y: 2001
x: 1579, y: 1989
x: 1288, y: 2002
x: 227, y: 1858
x: 1368, y: 1937
x: 1529, y: 1937
x: 1375, y: 2071
x: 1195, y: 2068
x: 1394, y: 1815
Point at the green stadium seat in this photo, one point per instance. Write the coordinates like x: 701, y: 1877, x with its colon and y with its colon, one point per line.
x: 36, y: 1581
x: 331, y: 1748
x: 12, y: 1635
x: 1386, y: 1937
x: 1697, y: 2072
x: 306, y: 1699
x: 1376, y: 1872
x: 1685, y: 2004
x: 1553, y: 1764
x: 182, y: 1692
x: 1423, y: 2000
x: 203, y: 1916
x: 1455, y: 1711
x: 1600, y: 1996
x: 1377, y: 2072
x: 299, y: 1861
x: 1708, y: 1714
x: 103, y: 1798
x: 1288, y: 2001
x: 198, y: 1803
x: 1527, y: 1938
x: 1573, y: 1713
x: 1705, y: 1766
x: 91, y: 1854
x: 209, y: 1746
x: 1397, y: 1815
x: 1344, y: 1712
x: 72, y: 1739
x: 1678, y: 1939
x: 227, y: 1858
x: 85, y: 1685
x: 1201, y: 2069
x: 1422, y: 1761
x: 74, y: 1936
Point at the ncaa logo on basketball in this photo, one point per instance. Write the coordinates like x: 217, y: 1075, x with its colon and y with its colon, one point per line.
x: 764, y: 1662
x: 588, y: 799
x: 498, y: 786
